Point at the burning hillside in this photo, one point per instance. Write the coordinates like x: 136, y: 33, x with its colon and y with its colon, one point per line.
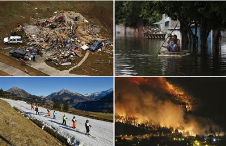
x: 156, y: 101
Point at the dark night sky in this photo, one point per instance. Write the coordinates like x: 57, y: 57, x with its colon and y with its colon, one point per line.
x: 211, y: 95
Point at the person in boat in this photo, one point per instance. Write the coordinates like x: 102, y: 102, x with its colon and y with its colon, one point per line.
x: 173, y: 44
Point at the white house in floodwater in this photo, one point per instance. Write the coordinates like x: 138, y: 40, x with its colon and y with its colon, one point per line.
x: 167, y: 25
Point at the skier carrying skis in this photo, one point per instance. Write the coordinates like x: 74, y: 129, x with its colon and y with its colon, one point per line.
x: 74, y: 124
x: 87, y: 125
x: 48, y: 112
x: 36, y: 109
x: 54, y: 115
x: 64, y: 120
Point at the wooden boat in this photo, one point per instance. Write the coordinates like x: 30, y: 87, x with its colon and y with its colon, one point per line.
x: 174, y: 54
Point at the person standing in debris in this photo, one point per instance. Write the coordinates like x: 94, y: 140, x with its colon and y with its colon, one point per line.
x: 36, y: 109
x: 87, y: 125
x: 31, y: 57
x: 34, y: 58
x: 64, y: 120
x: 54, y: 115
x: 48, y: 112
x: 74, y: 124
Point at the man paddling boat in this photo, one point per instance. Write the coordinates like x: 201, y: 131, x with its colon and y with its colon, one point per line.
x: 173, y: 44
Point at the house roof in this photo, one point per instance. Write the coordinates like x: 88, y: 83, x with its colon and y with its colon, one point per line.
x: 163, y: 21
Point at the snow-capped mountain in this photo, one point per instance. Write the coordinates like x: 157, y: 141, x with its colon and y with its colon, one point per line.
x: 42, y: 96
x: 99, y: 94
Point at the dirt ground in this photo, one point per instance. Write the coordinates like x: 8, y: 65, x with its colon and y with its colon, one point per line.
x: 17, y: 64
x: 99, y: 63
x: 2, y: 73
x: 99, y: 13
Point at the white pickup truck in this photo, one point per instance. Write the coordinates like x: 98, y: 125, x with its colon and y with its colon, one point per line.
x: 13, y: 40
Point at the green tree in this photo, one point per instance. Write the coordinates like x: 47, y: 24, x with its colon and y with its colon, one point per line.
x: 132, y: 13
x: 208, y: 15
x: 2, y: 93
x: 56, y: 104
x: 66, y: 106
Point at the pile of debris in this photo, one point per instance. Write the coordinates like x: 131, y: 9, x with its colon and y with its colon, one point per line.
x: 63, y: 36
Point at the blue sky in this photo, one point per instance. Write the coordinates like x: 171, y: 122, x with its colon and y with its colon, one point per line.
x: 47, y: 85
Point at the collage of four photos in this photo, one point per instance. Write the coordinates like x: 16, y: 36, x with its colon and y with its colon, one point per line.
x: 112, y: 73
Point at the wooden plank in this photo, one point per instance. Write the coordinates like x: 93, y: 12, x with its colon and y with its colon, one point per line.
x: 79, y: 54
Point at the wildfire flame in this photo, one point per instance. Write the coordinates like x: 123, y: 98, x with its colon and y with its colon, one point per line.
x: 154, y: 100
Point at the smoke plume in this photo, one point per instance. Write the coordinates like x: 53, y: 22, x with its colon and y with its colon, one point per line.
x: 158, y: 101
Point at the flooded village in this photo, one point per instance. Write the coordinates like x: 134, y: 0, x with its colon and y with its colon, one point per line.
x: 144, y: 46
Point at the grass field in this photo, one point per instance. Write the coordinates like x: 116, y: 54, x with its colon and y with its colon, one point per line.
x: 94, y: 115
x: 15, y: 129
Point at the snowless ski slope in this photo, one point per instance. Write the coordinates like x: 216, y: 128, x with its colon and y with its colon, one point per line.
x: 101, y: 131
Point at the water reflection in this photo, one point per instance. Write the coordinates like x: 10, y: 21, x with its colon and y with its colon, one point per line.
x: 136, y: 56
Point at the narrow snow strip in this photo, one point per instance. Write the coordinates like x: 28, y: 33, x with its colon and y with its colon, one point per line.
x: 101, y: 131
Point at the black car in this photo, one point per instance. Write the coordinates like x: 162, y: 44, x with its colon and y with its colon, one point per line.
x: 18, y: 53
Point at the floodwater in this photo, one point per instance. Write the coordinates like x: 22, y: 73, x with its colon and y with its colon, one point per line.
x: 137, y: 56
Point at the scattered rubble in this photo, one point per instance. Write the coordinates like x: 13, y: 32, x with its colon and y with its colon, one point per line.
x: 62, y: 37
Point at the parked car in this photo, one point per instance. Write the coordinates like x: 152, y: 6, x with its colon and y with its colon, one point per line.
x: 19, y: 54
x: 13, y: 40
x: 96, y: 46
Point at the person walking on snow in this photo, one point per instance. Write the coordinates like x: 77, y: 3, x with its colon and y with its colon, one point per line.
x: 87, y: 125
x: 48, y: 112
x: 54, y: 115
x: 64, y: 120
x: 74, y: 124
x: 32, y: 106
x: 36, y: 109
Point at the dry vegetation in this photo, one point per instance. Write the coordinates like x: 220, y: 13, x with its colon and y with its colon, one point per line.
x: 17, y: 130
x: 2, y: 73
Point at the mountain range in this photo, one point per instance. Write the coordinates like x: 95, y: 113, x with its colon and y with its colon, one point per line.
x: 98, y: 101
x: 67, y: 96
x: 103, y: 104
x: 99, y: 94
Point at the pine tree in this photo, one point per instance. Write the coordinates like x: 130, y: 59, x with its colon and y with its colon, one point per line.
x: 66, y: 106
x: 2, y: 93
x: 56, y: 104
